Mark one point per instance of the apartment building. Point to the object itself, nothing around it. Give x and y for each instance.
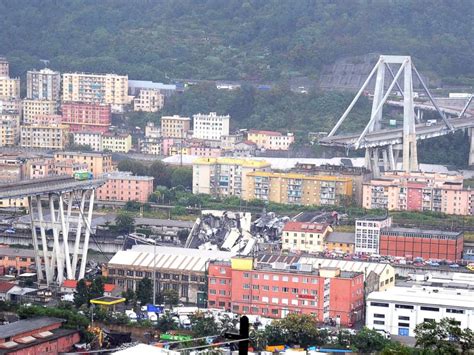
(53, 136)
(110, 89)
(367, 233)
(33, 108)
(400, 309)
(271, 140)
(9, 130)
(40, 168)
(87, 116)
(224, 176)
(210, 126)
(149, 100)
(299, 189)
(150, 146)
(44, 84)
(339, 242)
(305, 237)
(9, 87)
(228, 142)
(10, 105)
(152, 131)
(69, 167)
(414, 243)
(123, 186)
(179, 269)
(116, 142)
(277, 289)
(359, 175)
(4, 67)
(401, 191)
(88, 138)
(44, 119)
(12, 168)
(97, 163)
(175, 126)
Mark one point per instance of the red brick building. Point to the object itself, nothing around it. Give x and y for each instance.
(42, 335)
(86, 117)
(427, 244)
(276, 289)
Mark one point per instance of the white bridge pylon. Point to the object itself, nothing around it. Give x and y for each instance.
(68, 211)
(388, 155)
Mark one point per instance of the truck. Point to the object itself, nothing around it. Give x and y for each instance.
(83, 175)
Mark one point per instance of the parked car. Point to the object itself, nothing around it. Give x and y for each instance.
(454, 266)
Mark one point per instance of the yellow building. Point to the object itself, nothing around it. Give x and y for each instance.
(98, 163)
(305, 237)
(116, 142)
(14, 202)
(224, 176)
(339, 242)
(34, 108)
(177, 149)
(149, 100)
(51, 136)
(9, 87)
(300, 189)
(271, 140)
(175, 126)
(9, 130)
(96, 88)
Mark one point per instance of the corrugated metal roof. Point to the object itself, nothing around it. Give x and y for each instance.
(168, 258)
(346, 265)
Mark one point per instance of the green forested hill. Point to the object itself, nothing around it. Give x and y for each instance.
(264, 40)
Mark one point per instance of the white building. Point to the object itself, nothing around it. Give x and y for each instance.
(92, 139)
(44, 84)
(367, 234)
(211, 126)
(399, 309)
(148, 100)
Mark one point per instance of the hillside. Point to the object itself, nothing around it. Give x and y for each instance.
(255, 40)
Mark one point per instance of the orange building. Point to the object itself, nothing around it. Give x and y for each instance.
(97, 163)
(16, 260)
(123, 186)
(271, 287)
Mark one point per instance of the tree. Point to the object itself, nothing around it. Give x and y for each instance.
(165, 323)
(203, 326)
(182, 176)
(161, 173)
(145, 291)
(170, 297)
(368, 341)
(124, 222)
(96, 288)
(295, 329)
(81, 296)
(134, 166)
(130, 296)
(444, 337)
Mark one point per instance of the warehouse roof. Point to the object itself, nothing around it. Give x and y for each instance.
(168, 258)
(340, 237)
(347, 265)
(436, 296)
(27, 325)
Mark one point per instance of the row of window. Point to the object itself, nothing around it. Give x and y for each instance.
(304, 280)
(422, 308)
(165, 276)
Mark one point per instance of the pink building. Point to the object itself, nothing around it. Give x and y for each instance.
(46, 119)
(41, 168)
(123, 186)
(167, 144)
(399, 191)
(86, 117)
(204, 151)
(69, 167)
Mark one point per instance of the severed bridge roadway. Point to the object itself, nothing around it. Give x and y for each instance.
(395, 135)
(56, 184)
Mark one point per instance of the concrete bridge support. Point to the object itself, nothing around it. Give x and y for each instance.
(471, 146)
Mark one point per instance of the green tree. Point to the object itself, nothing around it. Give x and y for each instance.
(170, 297)
(161, 173)
(295, 329)
(96, 288)
(81, 296)
(133, 166)
(367, 341)
(145, 291)
(202, 325)
(182, 176)
(444, 337)
(166, 323)
(130, 296)
(124, 222)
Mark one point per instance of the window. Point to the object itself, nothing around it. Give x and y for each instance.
(212, 292)
(379, 322)
(266, 277)
(223, 282)
(276, 278)
(246, 275)
(255, 287)
(428, 320)
(403, 318)
(403, 306)
(295, 279)
(294, 290)
(378, 304)
(284, 300)
(285, 289)
(274, 300)
(246, 297)
(294, 302)
(266, 288)
(378, 315)
(275, 288)
(246, 286)
(255, 298)
(452, 310)
(222, 292)
(245, 308)
(284, 278)
(403, 324)
(430, 309)
(213, 281)
(265, 299)
(255, 276)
